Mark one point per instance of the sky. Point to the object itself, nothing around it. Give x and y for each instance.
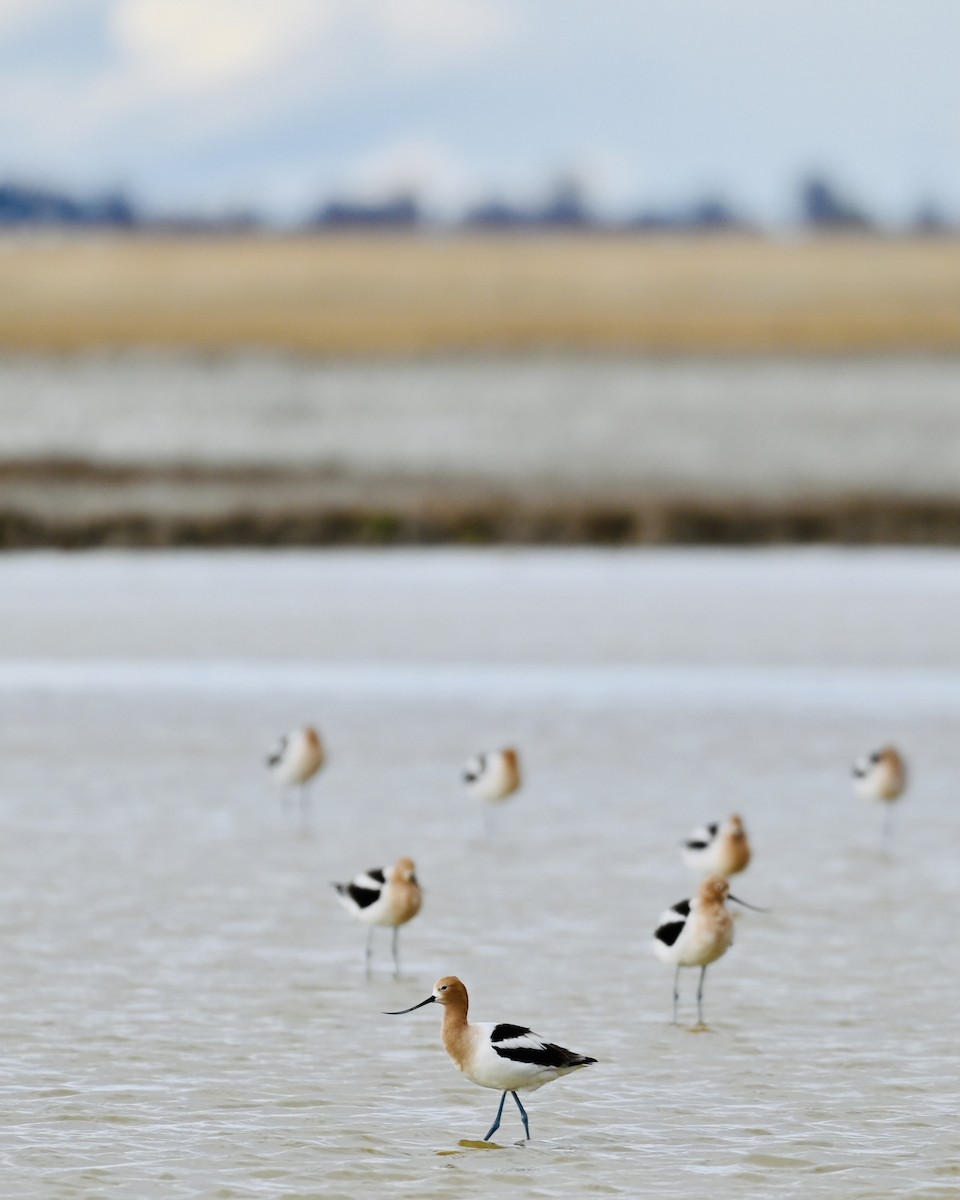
(278, 105)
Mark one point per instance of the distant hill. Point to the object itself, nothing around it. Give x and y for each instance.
(821, 206)
(20, 205)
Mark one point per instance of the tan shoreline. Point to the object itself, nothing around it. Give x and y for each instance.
(391, 294)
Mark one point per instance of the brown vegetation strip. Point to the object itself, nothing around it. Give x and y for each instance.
(414, 294)
(845, 521)
(79, 504)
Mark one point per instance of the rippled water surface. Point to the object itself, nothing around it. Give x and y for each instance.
(184, 1009)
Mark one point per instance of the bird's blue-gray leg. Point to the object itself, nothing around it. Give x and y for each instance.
(304, 806)
(676, 993)
(703, 973)
(396, 951)
(887, 825)
(369, 952)
(496, 1125)
(523, 1115)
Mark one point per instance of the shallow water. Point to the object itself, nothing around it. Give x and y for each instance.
(184, 1011)
(766, 427)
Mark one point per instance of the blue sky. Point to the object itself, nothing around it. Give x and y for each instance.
(280, 103)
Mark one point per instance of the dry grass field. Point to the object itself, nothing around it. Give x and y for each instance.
(333, 295)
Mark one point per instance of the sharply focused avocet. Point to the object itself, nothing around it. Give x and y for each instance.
(295, 759)
(881, 776)
(695, 933)
(493, 776)
(718, 849)
(388, 896)
(507, 1058)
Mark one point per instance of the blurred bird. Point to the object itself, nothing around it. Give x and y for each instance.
(695, 933)
(718, 849)
(388, 896)
(492, 777)
(294, 761)
(507, 1058)
(882, 776)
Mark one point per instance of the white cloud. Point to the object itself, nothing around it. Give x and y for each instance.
(184, 44)
(173, 77)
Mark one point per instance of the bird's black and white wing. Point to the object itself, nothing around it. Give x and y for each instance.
(474, 768)
(276, 754)
(521, 1045)
(365, 889)
(863, 766)
(702, 837)
(671, 923)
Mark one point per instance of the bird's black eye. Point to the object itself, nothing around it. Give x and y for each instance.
(444, 988)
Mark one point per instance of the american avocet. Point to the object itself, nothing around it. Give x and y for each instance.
(695, 933)
(493, 776)
(882, 776)
(507, 1058)
(718, 849)
(388, 896)
(295, 759)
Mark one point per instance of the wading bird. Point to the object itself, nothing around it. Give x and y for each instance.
(492, 777)
(388, 896)
(718, 849)
(881, 776)
(695, 933)
(507, 1058)
(295, 759)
